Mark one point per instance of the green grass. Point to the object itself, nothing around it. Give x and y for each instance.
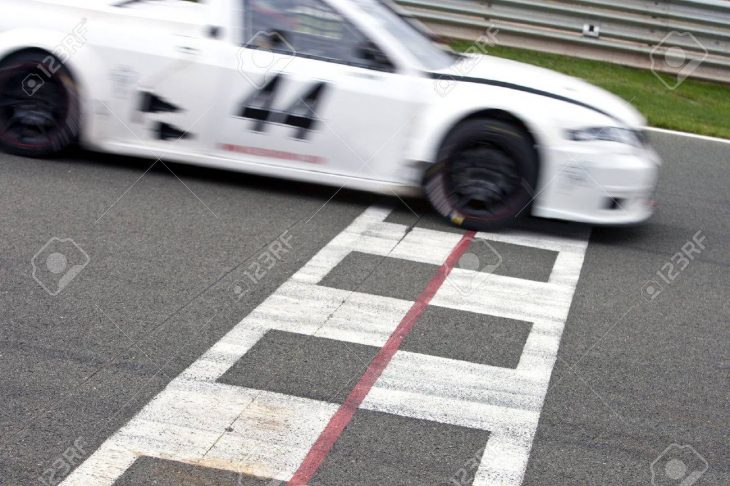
(695, 106)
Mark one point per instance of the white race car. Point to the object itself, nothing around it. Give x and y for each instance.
(342, 92)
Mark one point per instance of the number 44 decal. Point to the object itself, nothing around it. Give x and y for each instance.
(301, 114)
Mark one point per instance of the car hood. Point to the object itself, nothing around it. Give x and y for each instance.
(525, 77)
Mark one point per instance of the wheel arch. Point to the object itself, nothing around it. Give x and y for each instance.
(36, 50)
(19, 41)
(496, 114)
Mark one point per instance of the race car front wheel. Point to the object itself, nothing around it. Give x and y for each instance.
(484, 176)
(39, 106)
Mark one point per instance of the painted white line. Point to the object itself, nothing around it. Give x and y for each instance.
(199, 421)
(505, 458)
(563, 244)
(426, 246)
(688, 135)
(330, 313)
(503, 296)
(366, 234)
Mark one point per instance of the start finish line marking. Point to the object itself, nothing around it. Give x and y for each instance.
(199, 421)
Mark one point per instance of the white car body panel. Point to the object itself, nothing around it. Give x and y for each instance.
(377, 130)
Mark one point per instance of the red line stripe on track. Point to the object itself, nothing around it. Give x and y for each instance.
(326, 440)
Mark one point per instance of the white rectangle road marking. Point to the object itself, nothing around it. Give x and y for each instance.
(426, 246)
(191, 419)
(501, 296)
(330, 313)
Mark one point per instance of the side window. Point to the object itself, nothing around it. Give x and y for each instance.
(309, 28)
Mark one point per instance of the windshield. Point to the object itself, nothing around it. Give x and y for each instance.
(419, 45)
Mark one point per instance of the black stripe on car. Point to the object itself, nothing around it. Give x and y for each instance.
(517, 87)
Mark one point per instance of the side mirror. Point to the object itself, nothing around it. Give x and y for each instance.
(370, 53)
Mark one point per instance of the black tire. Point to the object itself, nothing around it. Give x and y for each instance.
(39, 105)
(484, 176)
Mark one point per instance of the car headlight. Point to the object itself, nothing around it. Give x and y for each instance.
(606, 134)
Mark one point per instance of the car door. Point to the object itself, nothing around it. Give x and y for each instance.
(310, 91)
(163, 77)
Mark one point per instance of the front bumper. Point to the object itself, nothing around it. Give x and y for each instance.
(597, 183)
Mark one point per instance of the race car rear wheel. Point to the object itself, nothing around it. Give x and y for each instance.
(484, 176)
(39, 105)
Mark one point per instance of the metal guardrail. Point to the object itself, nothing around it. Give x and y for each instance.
(685, 38)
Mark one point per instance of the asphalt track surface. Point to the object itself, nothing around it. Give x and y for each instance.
(639, 375)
